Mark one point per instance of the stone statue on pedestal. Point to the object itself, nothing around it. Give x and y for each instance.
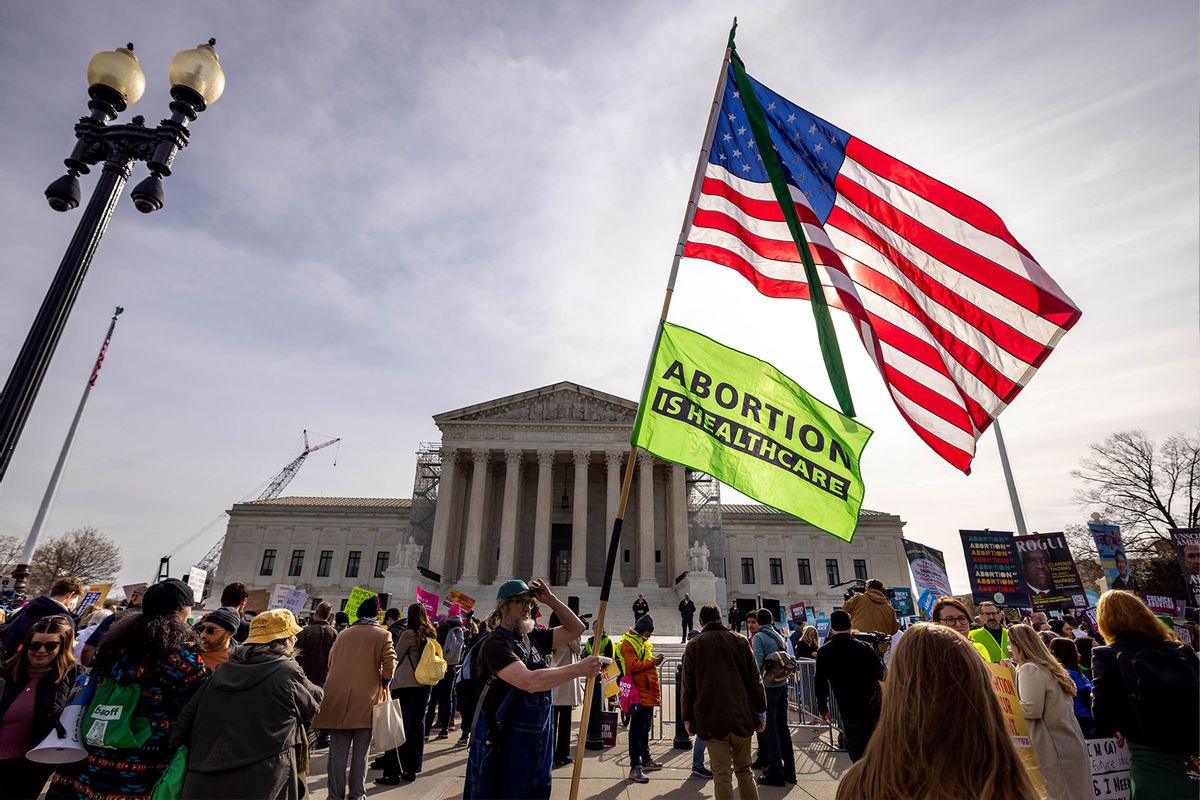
(410, 554)
(698, 556)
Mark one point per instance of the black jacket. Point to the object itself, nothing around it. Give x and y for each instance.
(687, 608)
(854, 671)
(1112, 706)
(47, 705)
(312, 650)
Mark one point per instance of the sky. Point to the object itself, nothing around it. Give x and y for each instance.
(399, 209)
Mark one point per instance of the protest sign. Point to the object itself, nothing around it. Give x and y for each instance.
(822, 624)
(295, 601)
(928, 566)
(101, 589)
(745, 423)
(133, 593)
(1005, 689)
(1187, 549)
(429, 600)
(258, 600)
(1111, 550)
(902, 601)
(1185, 635)
(280, 594)
(1164, 604)
(90, 600)
(1110, 769)
(465, 601)
(926, 601)
(357, 595)
(993, 568)
(799, 612)
(1049, 570)
(196, 579)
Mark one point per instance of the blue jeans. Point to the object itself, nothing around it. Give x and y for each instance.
(698, 754)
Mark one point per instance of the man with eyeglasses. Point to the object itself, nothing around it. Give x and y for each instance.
(993, 636)
(216, 636)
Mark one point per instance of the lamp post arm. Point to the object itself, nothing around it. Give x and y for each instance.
(25, 380)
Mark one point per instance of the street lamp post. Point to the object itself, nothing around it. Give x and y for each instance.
(115, 82)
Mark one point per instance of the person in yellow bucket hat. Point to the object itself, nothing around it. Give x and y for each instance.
(262, 687)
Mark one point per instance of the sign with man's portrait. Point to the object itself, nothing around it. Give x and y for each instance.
(1187, 548)
(1049, 571)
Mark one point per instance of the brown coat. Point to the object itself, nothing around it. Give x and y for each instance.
(360, 665)
(871, 611)
(722, 691)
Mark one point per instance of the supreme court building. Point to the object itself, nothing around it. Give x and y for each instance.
(528, 486)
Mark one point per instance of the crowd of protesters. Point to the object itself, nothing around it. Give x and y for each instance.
(234, 704)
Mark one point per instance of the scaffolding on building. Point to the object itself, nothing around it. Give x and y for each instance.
(704, 518)
(427, 478)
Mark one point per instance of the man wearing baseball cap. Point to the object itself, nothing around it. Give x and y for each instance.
(511, 747)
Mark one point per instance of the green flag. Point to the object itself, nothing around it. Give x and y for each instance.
(750, 426)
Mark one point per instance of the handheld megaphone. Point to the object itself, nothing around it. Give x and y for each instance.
(64, 743)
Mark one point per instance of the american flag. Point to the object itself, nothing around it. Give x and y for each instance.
(955, 313)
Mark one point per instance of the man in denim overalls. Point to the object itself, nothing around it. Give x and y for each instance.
(511, 747)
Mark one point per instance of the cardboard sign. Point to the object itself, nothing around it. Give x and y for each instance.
(608, 679)
(279, 594)
(101, 589)
(1005, 687)
(465, 601)
(1110, 769)
(196, 579)
(134, 591)
(258, 600)
(799, 612)
(357, 595)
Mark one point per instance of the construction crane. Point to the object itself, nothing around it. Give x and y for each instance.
(273, 490)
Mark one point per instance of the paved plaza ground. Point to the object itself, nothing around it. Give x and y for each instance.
(818, 769)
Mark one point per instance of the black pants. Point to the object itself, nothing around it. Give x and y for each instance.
(466, 698)
(641, 720)
(441, 702)
(687, 627)
(562, 733)
(858, 733)
(24, 779)
(781, 761)
(408, 757)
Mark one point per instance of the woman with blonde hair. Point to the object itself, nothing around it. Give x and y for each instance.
(807, 643)
(1157, 715)
(941, 735)
(1047, 699)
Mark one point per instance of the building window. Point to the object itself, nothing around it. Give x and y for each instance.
(658, 556)
(268, 562)
(805, 571)
(352, 563)
(860, 568)
(381, 562)
(626, 556)
(832, 573)
(296, 564)
(324, 563)
(777, 570)
(747, 571)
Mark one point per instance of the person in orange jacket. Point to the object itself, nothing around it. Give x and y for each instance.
(642, 667)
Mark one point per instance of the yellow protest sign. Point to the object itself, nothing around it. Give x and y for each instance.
(608, 678)
(1005, 689)
(357, 595)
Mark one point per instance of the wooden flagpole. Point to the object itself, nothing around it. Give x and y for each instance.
(614, 540)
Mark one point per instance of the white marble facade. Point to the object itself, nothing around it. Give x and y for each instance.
(529, 486)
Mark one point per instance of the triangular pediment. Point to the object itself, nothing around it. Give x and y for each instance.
(561, 402)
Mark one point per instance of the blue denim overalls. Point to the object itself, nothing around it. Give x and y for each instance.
(516, 762)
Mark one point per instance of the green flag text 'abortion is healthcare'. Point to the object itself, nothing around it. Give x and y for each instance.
(750, 426)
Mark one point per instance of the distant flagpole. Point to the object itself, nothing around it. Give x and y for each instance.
(614, 541)
(22, 571)
(1018, 514)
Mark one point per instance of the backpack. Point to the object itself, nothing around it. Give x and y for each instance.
(1163, 682)
(466, 672)
(453, 649)
(110, 719)
(432, 667)
(778, 666)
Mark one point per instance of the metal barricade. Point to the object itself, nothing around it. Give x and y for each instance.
(806, 706)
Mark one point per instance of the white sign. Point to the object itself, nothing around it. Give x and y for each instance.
(196, 578)
(280, 594)
(1110, 769)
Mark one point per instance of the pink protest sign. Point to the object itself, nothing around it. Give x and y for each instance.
(429, 600)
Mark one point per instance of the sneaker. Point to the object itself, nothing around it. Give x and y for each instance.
(701, 772)
(388, 780)
(763, 780)
(651, 766)
(463, 741)
(638, 776)
(445, 734)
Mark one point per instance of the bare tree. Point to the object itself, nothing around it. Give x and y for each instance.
(1143, 489)
(10, 551)
(84, 552)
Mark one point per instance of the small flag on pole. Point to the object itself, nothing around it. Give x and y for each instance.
(955, 313)
(747, 424)
(104, 347)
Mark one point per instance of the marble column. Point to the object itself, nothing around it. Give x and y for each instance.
(677, 508)
(579, 517)
(473, 554)
(507, 568)
(541, 522)
(612, 499)
(646, 577)
(439, 552)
